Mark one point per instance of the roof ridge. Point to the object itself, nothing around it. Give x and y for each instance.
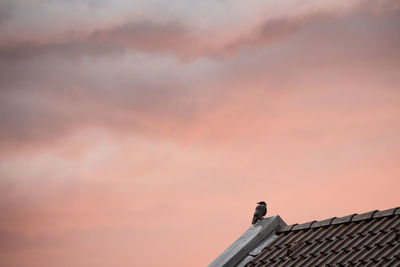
(345, 219)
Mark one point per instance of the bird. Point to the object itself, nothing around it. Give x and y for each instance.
(260, 212)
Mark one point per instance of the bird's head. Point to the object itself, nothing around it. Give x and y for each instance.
(262, 203)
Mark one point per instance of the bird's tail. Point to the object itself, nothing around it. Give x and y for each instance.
(255, 220)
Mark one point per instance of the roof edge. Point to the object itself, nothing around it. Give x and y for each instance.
(248, 241)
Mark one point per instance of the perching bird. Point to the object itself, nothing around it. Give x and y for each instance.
(260, 212)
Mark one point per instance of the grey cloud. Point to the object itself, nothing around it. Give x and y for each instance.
(44, 98)
(154, 38)
(14, 242)
(149, 37)
(6, 9)
(172, 37)
(22, 51)
(146, 36)
(177, 38)
(48, 97)
(275, 30)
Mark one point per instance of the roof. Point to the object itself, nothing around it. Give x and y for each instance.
(369, 239)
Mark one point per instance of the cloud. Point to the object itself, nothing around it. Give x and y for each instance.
(144, 36)
(47, 94)
(175, 36)
(171, 37)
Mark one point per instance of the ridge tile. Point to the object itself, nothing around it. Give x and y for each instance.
(287, 228)
(385, 213)
(344, 219)
(364, 216)
(326, 222)
(303, 226)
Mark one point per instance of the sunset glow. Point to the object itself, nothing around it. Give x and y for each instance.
(143, 133)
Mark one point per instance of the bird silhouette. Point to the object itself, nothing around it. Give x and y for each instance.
(260, 212)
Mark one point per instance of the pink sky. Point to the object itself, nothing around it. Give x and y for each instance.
(142, 133)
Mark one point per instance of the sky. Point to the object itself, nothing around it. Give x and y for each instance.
(142, 133)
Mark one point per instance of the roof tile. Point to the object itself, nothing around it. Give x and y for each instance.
(391, 262)
(315, 250)
(380, 225)
(393, 252)
(298, 261)
(308, 260)
(280, 239)
(358, 242)
(370, 264)
(312, 234)
(373, 241)
(388, 238)
(335, 258)
(351, 257)
(285, 240)
(392, 224)
(359, 264)
(363, 255)
(397, 211)
(357, 228)
(321, 259)
(378, 253)
(338, 245)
